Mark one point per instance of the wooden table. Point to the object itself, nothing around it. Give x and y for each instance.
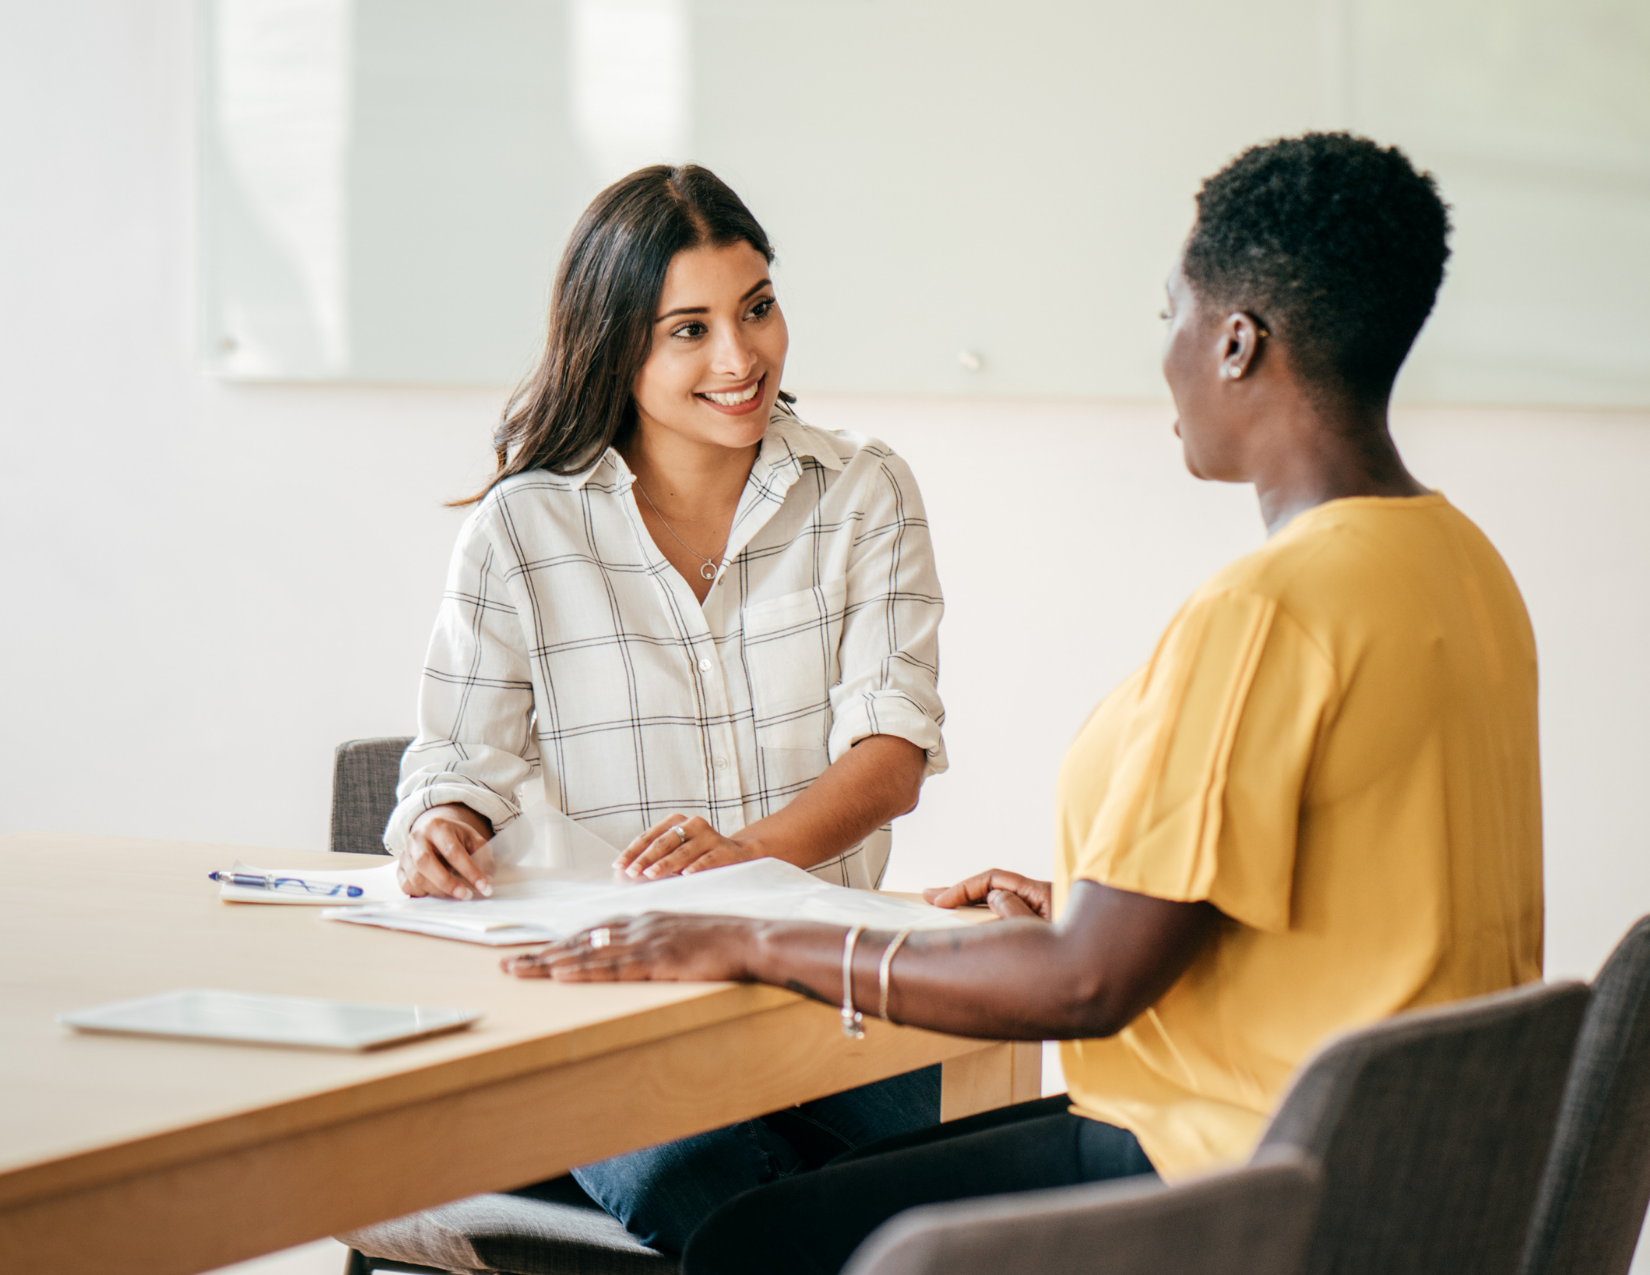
(159, 1157)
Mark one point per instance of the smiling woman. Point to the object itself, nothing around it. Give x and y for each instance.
(696, 624)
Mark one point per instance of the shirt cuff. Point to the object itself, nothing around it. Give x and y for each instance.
(888, 713)
(479, 798)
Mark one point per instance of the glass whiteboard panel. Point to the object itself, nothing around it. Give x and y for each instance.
(966, 197)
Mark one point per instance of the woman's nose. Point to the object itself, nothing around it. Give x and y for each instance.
(732, 355)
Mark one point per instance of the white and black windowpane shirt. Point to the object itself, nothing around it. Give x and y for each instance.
(568, 651)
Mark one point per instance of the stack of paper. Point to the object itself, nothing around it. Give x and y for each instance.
(541, 910)
(554, 879)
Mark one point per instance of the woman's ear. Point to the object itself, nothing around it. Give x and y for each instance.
(1240, 338)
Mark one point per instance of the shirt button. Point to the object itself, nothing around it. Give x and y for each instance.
(704, 666)
(721, 763)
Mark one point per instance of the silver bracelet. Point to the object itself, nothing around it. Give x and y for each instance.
(853, 1022)
(887, 968)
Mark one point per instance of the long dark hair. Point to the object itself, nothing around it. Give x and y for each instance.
(578, 401)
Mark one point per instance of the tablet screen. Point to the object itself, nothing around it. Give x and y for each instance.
(254, 1018)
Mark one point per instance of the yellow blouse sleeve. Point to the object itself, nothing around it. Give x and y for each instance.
(1204, 800)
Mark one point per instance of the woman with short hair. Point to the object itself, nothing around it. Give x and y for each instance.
(684, 617)
(1317, 804)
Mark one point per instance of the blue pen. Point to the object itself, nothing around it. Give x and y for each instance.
(257, 881)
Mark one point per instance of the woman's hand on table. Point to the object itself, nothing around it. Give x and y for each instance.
(677, 845)
(1005, 893)
(655, 945)
(1112, 955)
(440, 858)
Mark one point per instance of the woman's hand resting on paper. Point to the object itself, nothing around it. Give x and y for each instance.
(655, 945)
(662, 945)
(1111, 955)
(662, 851)
(877, 779)
(440, 858)
(1008, 894)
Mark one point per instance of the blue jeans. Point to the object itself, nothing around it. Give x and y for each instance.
(663, 1193)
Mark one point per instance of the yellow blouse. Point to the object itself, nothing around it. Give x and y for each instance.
(1335, 744)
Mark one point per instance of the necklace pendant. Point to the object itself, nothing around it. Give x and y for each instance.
(707, 572)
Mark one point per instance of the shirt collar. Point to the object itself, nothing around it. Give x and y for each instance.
(787, 441)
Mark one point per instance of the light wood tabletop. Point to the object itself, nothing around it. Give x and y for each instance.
(163, 1157)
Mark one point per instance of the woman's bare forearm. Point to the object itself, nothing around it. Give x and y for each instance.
(1113, 955)
(876, 780)
(966, 981)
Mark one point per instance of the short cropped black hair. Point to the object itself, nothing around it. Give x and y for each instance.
(1335, 243)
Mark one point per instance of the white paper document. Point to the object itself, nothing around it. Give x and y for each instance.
(553, 878)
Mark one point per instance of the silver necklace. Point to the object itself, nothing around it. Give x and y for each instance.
(708, 570)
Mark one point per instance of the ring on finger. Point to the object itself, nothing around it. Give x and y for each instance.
(599, 938)
(681, 831)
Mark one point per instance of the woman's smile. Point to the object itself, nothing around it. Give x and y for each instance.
(741, 400)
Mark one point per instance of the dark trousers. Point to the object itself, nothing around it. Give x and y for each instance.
(811, 1223)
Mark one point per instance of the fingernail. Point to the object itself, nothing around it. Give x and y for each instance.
(617, 863)
(486, 888)
(463, 892)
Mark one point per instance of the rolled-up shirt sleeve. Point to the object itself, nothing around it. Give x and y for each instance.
(475, 740)
(889, 651)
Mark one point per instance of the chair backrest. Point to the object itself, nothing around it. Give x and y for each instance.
(364, 775)
(1249, 1221)
(1593, 1195)
(1433, 1128)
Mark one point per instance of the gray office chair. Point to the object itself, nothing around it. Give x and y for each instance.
(1593, 1196)
(1249, 1221)
(365, 773)
(1433, 1129)
(550, 1229)
(553, 1228)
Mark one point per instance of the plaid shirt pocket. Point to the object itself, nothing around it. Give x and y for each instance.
(790, 647)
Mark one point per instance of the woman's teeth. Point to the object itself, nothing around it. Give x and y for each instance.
(736, 397)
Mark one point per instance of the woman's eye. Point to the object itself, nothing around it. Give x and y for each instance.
(763, 308)
(688, 331)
